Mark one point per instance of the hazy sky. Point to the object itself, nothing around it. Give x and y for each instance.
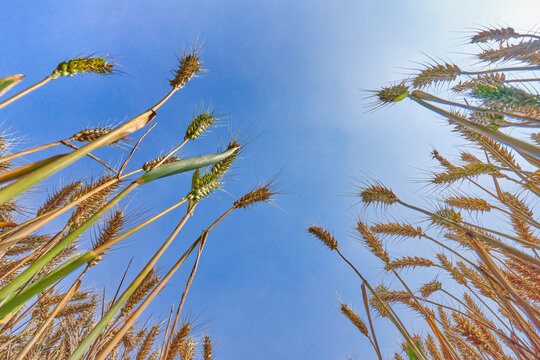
(293, 75)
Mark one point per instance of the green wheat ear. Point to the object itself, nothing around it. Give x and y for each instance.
(8, 82)
(392, 94)
(97, 65)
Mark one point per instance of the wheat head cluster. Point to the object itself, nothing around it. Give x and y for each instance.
(483, 301)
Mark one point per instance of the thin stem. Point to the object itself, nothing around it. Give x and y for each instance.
(393, 316)
(516, 68)
(25, 91)
(366, 306)
(90, 156)
(171, 152)
(179, 309)
(134, 148)
(29, 151)
(102, 355)
(162, 101)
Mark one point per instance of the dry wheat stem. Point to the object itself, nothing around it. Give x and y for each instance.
(374, 342)
(124, 164)
(28, 151)
(171, 153)
(179, 309)
(393, 316)
(132, 317)
(25, 91)
(91, 156)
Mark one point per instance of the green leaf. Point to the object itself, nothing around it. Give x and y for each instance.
(412, 355)
(8, 82)
(184, 165)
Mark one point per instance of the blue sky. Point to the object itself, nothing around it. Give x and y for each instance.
(290, 73)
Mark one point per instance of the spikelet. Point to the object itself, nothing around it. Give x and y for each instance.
(408, 262)
(470, 158)
(83, 213)
(446, 217)
(464, 172)
(497, 152)
(429, 288)
(435, 74)
(199, 124)
(523, 287)
(129, 340)
(60, 258)
(456, 274)
(526, 270)
(95, 202)
(203, 186)
(91, 134)
(113, 225)
(93, 185)
(221, 167)
(526, 51)
(393, 296)
(187, 349)
(435, 155)
(493, 79)
(354, 318)
(469, 331)
(324, 236)
(476, 279)
(392, 94)
(7, 209)
(74, 309)
(28, 243)
(50, 299)
(536, 138)
(262, 193)
(59, 198)
(148, 283)
(378, 194)
(189, 66)
(377, 304)
(397, 357)
(433, 349)
(374, 245)
(468, 203)
(178, 339)
(152, 164)
(492, 120)
(494, 35)
(523, 230)
(516, 205)
(505, 97)
(397, 229)
(207, 348)
(96, 65)
(147, 343)
(476, 313)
